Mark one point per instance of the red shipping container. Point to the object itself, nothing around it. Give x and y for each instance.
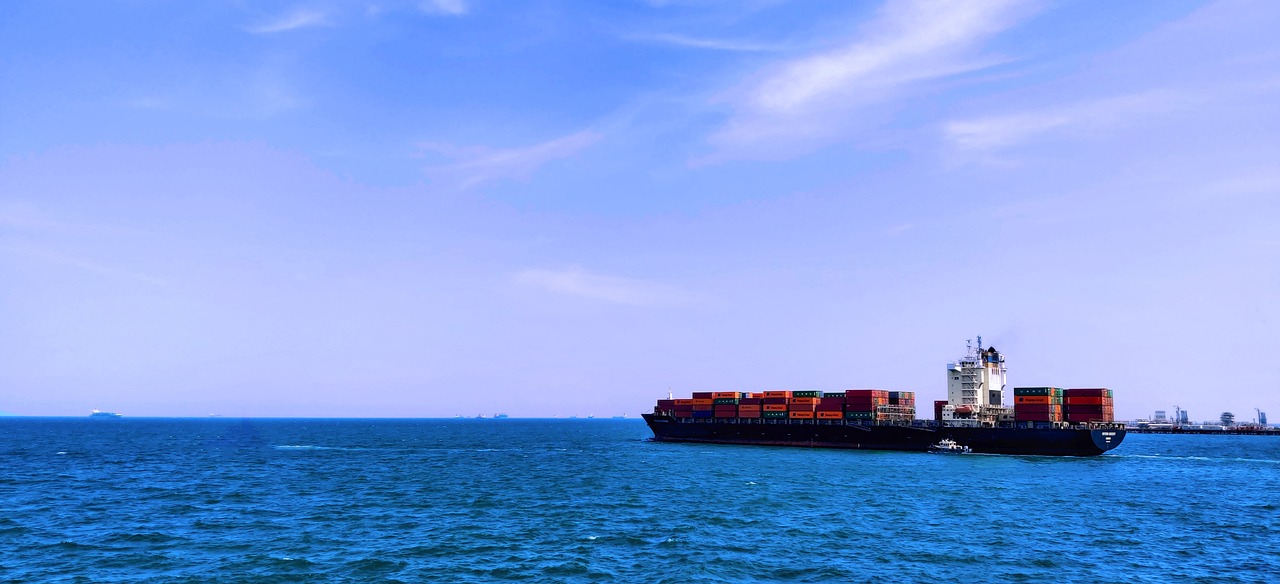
(774, 400)
(800, 407)
(832, 400)
(704, 395)
(1036, 408)
(750, 401)
(726, 408)
(683, 412)
(755, 414)
(786, 393)
(1088, 392)
(726, 414)
(830, 407)
(704, 408)
(666, 404)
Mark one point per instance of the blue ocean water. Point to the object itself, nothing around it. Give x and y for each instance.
(594, 501)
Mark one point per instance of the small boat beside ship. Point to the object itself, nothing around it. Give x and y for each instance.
(103, 414)
(948, 446)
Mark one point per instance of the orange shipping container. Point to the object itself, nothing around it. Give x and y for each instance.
(777, 394)
(774, 407)
(804, 400)
(829, 415)
(749, 408)
(801, 415)
(1032, 399)
(732, 394)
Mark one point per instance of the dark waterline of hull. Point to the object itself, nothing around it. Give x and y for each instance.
(1038, 441)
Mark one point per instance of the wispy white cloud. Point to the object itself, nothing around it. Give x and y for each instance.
(448, 7)
(813, 99)
(579, 283)
(476, 165)
(1002, 131)
(299, 18)
(705, 43)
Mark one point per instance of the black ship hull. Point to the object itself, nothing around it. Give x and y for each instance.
(1080, 441)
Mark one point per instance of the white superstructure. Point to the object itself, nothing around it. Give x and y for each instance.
(975, 388)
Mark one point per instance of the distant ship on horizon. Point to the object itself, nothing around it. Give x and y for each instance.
(102, 414)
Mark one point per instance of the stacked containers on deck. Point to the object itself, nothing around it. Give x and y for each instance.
(726, 403)
(1090, 405)
(803, 404)
(863, 404)
(855, 404)
(1037, 404)
(830, 406)
(901, 406)
(774, 404)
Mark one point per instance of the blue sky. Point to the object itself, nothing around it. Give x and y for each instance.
(566, 208)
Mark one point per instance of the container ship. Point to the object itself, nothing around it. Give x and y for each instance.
(1041, 420)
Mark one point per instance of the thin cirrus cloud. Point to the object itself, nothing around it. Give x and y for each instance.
(298, 19)
(705, 43)
(993, 133)
(808, 101)
(575, 282)
(473, 166)
(446, 7)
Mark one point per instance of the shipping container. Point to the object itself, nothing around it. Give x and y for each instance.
(859, 415)
(750, 401)
(1089, 392)
(1088, 400)
(775, 400)
(804, 400)
(774, 407)
(748, 409)
(937, 409)
(801, 415)
(1033, 399)
(720, 414)
(1028, 417)
(704, 395)
(839, 394)
(1037, 391)
(730, 394)
(706, 414)
(836, 415)
(773, 414)
(806, 393)
(704, 408)
(1037, 408)
(832, 400)
(830, 407)
(666, 404)
(751, 415)
(726, 400)
(777, 394)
